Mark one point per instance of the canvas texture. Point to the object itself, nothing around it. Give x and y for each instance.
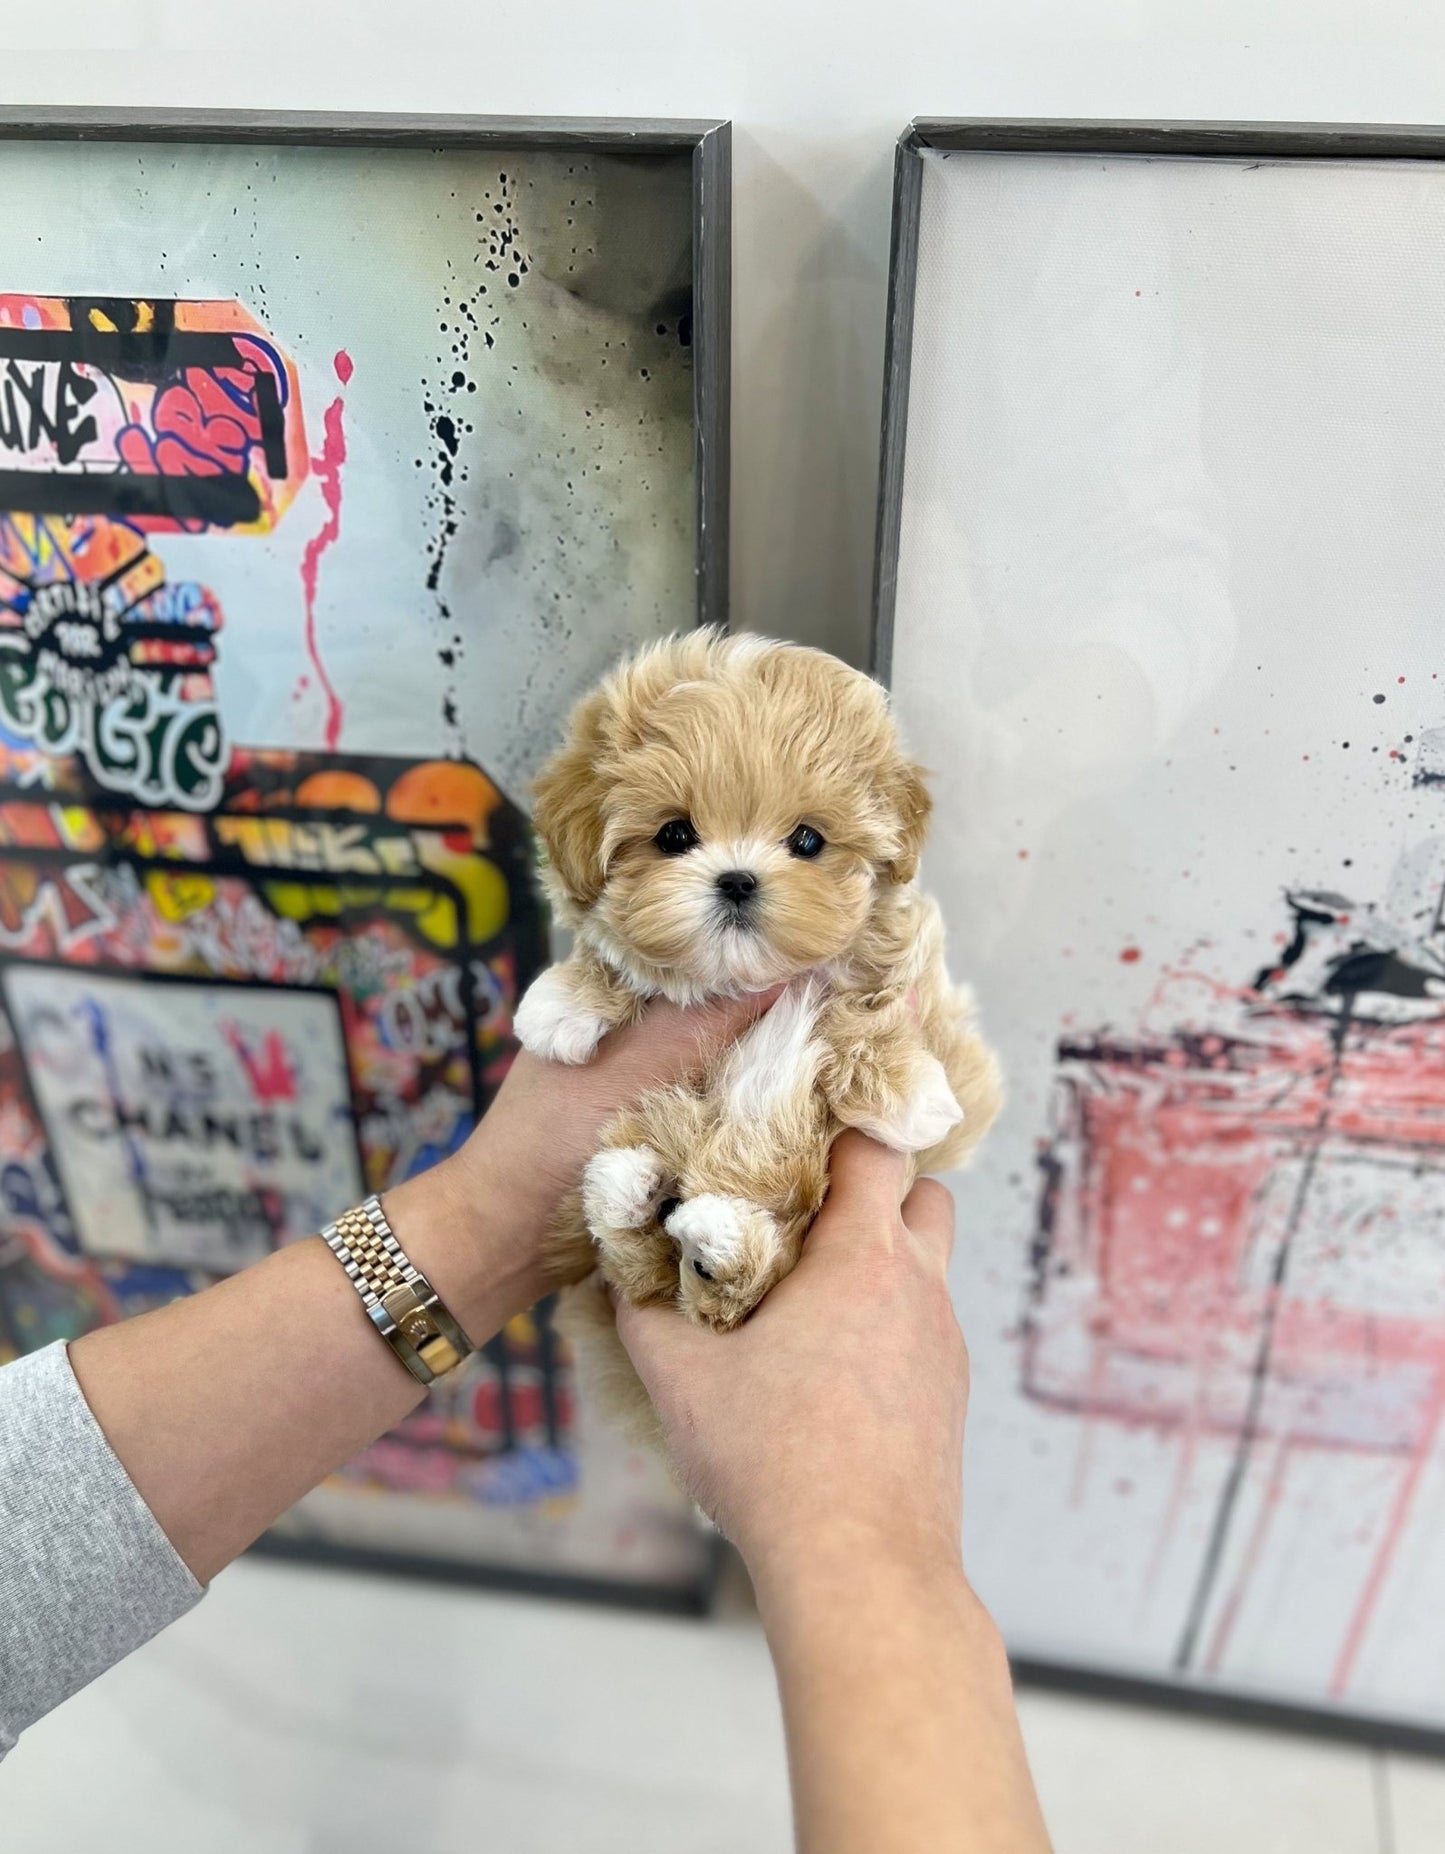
(1168, 634)
(329, 478)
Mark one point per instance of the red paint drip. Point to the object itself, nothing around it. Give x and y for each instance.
(1178, 1491)
(1130, 956)
(345, 367)
(327, 470)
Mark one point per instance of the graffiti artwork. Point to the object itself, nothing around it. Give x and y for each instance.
(288, 556)
(120, 421)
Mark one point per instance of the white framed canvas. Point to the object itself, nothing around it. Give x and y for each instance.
(1161, 598)
(338, 456)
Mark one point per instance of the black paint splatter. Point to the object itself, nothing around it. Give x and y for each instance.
(463, 314)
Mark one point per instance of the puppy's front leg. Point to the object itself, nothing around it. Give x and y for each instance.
(569, 1008)
(912, 1112)
(888, 1085)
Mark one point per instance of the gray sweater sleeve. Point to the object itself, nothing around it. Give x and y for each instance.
(86, 1574)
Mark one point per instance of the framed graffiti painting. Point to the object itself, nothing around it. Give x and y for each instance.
(337, 456)
(1161, 576)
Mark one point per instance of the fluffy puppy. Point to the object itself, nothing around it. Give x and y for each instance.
(727, 814)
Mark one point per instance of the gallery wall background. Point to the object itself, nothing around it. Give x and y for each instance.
(817, 94)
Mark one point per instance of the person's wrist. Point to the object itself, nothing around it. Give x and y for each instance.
(844, 1564)
(471, 1232)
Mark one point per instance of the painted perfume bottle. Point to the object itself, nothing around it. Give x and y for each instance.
(1241, 1231)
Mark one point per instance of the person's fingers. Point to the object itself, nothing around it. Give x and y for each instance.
(657, 1339)
(928, 1210)
(865, 1184)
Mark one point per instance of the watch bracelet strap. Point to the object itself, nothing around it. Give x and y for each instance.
(402, 1304)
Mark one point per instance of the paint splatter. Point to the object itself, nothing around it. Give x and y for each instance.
(468, 320)
(1235, 1214)
(327, 470)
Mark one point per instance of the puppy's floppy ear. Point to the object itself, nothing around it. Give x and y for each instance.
(567, 813)
(912, 805)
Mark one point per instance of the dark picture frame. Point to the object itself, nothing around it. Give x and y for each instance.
(1191, 139)
(706, 143)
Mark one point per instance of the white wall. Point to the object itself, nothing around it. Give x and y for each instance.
(817, 91)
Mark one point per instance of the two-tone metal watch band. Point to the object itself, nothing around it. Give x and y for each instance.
(403, 1305)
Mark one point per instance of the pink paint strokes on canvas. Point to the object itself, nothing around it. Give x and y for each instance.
(1241, 1207)
(327, 470)
(1384, 1557)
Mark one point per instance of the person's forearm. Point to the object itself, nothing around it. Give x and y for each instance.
(226, 1407)
(899, 1711)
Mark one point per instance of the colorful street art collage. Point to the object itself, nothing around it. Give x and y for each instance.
(333, 469)
(238, 987)
(321, 972)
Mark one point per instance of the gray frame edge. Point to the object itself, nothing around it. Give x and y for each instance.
(1025, 135)
(1280, 140)
(897, 363)
(712, 201)
(695, 1598)
(1375, 1731)
(709, 140)
(364, 128)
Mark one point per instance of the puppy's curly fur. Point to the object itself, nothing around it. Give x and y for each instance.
(727, 814)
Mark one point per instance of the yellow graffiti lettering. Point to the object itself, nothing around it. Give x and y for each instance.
(174, 897)
(434, 916)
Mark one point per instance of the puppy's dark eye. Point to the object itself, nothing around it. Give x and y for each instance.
(698, 1269)
(676, 837)
(665, 1209)
(806, 842)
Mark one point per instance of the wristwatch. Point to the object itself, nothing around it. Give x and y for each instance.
(403, 1305)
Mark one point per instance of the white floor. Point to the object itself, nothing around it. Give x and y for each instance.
(300, 1711)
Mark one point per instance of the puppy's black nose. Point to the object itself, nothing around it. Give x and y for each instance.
(737, 884)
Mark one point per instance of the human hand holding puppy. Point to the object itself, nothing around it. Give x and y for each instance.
(826, 1433)
(826, 1437)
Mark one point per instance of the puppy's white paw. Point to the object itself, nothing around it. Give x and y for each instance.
(927, 1115)
(709, 1228)
(621, 1187)
(721, 1234)
(551, 1024)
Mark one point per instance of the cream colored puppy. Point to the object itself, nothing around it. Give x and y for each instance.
(728, 814)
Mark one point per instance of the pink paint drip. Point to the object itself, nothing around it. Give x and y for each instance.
(1385, 1552)
(1178, 1493)
(327, 470)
